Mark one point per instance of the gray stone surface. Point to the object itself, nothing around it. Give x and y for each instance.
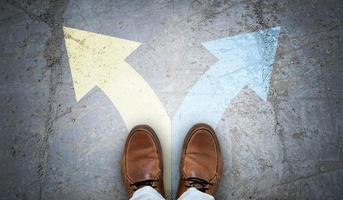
(85, 152)
(24, 102)
(53, 147)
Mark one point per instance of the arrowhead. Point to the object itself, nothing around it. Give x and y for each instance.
(94, 58)
(245, 59)
(250, 56)
(99, 60)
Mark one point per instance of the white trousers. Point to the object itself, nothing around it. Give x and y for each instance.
(149, 193)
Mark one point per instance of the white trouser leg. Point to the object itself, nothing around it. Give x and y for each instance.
(149, 193)
(146, 193)
(194, 194)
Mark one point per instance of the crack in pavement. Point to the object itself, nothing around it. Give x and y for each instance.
(53, 17)
(53, 55)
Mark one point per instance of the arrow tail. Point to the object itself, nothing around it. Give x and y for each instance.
(244, 59)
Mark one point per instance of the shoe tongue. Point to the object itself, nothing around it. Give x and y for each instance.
(200, 158)
(193, 168)
(140, 175)
(142, 161)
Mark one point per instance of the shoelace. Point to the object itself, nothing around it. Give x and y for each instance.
(140, 184)
(194, 182)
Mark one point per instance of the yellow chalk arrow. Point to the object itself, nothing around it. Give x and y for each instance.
(99, 60)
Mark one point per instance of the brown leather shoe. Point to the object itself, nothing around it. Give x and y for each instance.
(201, 163)
(142, 163)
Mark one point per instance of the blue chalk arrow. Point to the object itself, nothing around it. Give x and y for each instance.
(243, 60)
